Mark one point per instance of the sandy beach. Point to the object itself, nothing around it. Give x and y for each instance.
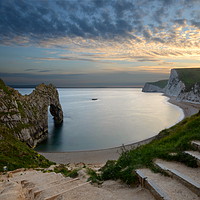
(189, 109)
(99, 157)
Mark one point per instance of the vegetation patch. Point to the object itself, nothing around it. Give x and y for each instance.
(5, 88)
(21, 109)
(94, 176)
(169, 145)
(161, 83)
(189, 77)
(15, 154)
(65, 171)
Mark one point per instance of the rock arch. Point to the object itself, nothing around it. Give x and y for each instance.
(27, 116)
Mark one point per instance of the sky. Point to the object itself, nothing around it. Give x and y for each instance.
(97, 43)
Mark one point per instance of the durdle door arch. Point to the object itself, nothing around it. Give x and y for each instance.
(27, 116)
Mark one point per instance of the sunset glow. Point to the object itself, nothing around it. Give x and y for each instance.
(96, 43)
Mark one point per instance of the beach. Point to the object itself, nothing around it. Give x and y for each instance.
(100, 157)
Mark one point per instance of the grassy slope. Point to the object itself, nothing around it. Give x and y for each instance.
(161, 83)
(173, 140)
(189, 76)
(16, 154)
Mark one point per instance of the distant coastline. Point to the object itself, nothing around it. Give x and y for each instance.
(33, 86)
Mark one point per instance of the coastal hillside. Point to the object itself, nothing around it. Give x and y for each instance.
(27, 116)
(183, 84)
(23, 123)
(158, 86)
(16, 154)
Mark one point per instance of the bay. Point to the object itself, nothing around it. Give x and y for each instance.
(118, 116)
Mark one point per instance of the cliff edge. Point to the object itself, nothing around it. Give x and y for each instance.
(183, 84)
(158, 86)
(27, 116)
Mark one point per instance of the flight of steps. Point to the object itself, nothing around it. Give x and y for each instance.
(36, 185)
(182, 182)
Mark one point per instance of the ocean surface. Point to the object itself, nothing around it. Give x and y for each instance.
(119, 116)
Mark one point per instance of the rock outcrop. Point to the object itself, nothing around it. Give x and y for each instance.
(178, 87)
(27, 116)
(183, 84)
(149, 87)
(159, 86)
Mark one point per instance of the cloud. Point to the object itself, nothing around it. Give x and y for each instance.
(28, 70)
(40, 20)
(106, 79)
(195, 23)
(107, 30)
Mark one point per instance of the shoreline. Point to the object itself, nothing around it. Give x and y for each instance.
(188, 108)
(100, 157)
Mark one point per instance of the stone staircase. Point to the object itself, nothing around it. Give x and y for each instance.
(182, 182)
(36, 185)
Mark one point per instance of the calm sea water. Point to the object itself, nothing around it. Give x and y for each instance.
(119, 116)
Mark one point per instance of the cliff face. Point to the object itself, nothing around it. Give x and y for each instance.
(27, 116)
(159, 86)
(175, 85)
(148, 87)
(178, 88)
(184, 84)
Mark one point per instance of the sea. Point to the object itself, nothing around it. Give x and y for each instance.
(117, 116)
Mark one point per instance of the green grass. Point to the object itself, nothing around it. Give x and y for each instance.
(16, 154)
(94, 176)
(173, 140)
(189, 77)
(4, 87)
(161, 83)
(68, 173)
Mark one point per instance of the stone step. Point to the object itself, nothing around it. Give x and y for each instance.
(88, 192)
(25, 175)
(31, 176)
(61, 195)
(52, 185)
(57, 189)
(182, 177)
(195, 154)
(109, 190)
(37, 188)
(44, 179)
(196, 144)
(29, 181)
(11, 191)
(166, 187)
(193, 173)
(156, 191)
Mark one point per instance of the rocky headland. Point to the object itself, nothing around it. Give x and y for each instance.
(158, 86)
(26, 116)
(183, 85)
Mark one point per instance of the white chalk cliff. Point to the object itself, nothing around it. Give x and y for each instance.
(149, 87)
(177, 88)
